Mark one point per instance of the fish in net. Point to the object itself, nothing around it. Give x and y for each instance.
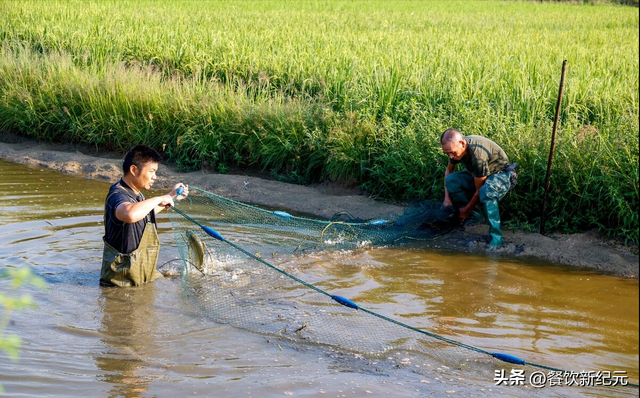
(278, 233)
(251, 281)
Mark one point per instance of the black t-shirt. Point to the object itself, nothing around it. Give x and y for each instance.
(124, 237)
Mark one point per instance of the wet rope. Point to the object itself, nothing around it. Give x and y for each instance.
(348, 303)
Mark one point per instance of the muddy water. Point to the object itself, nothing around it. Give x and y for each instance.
(83, 340)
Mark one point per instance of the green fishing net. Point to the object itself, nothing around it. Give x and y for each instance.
(243, 266)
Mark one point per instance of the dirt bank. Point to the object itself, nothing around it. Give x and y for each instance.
(585, 250)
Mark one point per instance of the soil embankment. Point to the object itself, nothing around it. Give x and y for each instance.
(580, 250)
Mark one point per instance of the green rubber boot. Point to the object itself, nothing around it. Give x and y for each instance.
(477, 216)
(493, 216)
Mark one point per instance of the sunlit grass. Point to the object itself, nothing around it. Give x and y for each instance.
(352, 91)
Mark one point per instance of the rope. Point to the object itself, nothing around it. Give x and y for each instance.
(346, 302)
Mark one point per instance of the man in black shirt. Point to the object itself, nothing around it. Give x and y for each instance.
(131, 242)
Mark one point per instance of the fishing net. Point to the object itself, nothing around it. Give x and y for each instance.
(246, 273)
(279, 234)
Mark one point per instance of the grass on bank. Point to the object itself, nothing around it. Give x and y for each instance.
(350, 91)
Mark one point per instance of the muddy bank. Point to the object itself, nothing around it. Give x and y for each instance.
(585, 250)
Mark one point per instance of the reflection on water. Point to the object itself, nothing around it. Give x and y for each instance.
(547, 314)
(128, 330)
(85, 340)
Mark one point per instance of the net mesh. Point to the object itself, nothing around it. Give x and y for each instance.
(279, 234)
(250, 280)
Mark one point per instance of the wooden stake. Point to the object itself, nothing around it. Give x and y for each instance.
(547, 180)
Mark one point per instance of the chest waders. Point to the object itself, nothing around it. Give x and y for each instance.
(135, 268)
(495, 188)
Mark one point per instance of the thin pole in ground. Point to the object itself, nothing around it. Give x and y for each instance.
(547, 180)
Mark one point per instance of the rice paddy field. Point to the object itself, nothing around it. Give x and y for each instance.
(350, 91)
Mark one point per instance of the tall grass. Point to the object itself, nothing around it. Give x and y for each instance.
(351, 91)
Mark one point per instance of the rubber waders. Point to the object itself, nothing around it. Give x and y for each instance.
(135, 268)
(477, 216)
(493, 216)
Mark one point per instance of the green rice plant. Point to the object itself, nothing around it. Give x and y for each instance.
(349, 91)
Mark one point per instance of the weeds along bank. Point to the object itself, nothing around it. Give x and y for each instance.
(351, 91)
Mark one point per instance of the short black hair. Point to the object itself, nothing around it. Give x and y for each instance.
(140, 155)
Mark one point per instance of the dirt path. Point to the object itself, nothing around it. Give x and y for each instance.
(580, 250)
